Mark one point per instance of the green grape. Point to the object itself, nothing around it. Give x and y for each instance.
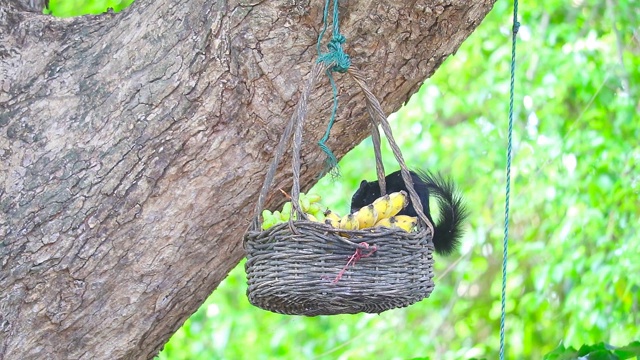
(319, 215)
(266, 225)
(314, 198)
(278, 215)
(268, 220)
(314, 208)
(266, 214)
(304, 202)
(286, 211)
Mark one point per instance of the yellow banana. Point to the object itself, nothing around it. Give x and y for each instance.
(332, 219)
(381, 205)
(367, 217)
(397, 202)
(331, 215)
(349, 222)
(332, 223)
(312, 218)
(404, 222)
(386, 222)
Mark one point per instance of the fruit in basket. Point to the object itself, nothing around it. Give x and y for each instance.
(268, 219)
(404, 222)
(309, 204)
(381, 213)
(366, 217)
(448, 230)
(349, 222)
(332, 218)
(316, 210)
(286, 212)
(313, 198)
(381, 205)
(390, 204)
(305, 204)
(397, 201)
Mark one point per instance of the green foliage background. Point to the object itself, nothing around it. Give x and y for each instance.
(68, 8)
(573, 265)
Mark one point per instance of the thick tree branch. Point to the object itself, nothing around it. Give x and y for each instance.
(133, 146)
(35, 6)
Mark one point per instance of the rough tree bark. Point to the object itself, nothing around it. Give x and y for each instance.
(133, 146)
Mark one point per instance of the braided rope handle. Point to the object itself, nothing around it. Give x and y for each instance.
(296, 118)
(296, 125)
(376, 114)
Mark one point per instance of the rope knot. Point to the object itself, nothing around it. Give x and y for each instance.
(337, 39)
(336, 55)
(336, 60)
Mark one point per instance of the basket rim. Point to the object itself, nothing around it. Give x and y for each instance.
(423, 232)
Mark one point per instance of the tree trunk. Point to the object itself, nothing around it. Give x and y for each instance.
(133, 147)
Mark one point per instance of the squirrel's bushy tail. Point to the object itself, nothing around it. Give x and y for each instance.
(448, 231)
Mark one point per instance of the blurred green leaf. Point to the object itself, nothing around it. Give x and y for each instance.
(69, 8)
(630, 351)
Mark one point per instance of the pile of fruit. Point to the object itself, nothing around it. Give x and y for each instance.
(309, 204)
(382, 212)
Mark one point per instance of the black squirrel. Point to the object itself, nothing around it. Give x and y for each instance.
(447, 232)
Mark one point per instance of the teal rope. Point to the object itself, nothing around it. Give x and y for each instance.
(516, 26)
(341, 63)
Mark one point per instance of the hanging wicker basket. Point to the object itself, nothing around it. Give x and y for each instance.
(308, 268)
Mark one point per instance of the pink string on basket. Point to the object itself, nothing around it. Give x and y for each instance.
(357, 255)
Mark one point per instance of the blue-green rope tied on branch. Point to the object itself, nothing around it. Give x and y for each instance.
(505, 244)
(341, 62)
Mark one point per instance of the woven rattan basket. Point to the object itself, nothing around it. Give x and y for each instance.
(308, 268)
(300, 273)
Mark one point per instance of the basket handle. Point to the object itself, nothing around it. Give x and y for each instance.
(296, 118)
(378, 117)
